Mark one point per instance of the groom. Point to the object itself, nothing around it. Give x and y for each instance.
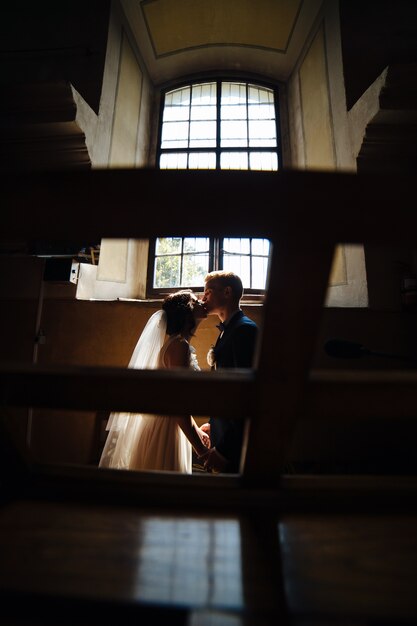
(235, 348)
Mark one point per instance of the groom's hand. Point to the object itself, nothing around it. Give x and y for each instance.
(215, 462)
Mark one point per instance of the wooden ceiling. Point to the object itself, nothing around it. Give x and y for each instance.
(185, 37)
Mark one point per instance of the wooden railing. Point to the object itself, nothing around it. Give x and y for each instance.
(304, 214)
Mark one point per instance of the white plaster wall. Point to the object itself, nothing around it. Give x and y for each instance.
(354, 292)
(363, 111)
(98, 130)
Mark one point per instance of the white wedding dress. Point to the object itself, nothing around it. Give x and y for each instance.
(138, 441)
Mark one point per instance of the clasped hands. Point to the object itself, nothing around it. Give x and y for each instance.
(213, 461)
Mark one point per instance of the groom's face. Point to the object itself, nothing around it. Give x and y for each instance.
(213, 297)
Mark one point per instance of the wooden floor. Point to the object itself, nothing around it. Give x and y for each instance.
(265, 558)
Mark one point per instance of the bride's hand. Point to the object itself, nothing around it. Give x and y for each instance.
(204, 437)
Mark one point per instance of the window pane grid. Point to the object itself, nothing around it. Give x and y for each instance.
(173, 161)
(195, 267)
(229, 125)
(180, 261)
(184, 261)
(167, 272)
(236, 245)
(249, 258)
(203, 134)
(194, 119)
(264, 161)
(202, 161)
(167, 245)
(240, 265)
(234, 161)
(196, 244)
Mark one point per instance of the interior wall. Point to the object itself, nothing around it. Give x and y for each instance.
(319, 138)
(118, 133)
(126, 116)
(119, 137)
(315, 106)
(121, 272)
(80, 333)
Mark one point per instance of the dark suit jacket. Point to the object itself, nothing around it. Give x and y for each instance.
(234, 349)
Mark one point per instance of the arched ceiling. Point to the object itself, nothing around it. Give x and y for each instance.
(184, 37)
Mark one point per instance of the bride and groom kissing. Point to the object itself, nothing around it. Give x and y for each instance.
(139, 441)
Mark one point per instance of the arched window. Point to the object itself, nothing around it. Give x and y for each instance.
(219, 124)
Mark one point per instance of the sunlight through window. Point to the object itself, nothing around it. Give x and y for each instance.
(184, 261)
(227, 125)
(219, 125)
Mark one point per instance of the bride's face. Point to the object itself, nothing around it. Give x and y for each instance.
(199, 310)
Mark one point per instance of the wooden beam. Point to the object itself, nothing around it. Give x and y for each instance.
(225, 493)
(146, 202)
(341, 394)
(167, 392)
(293, 309)
(356, 395)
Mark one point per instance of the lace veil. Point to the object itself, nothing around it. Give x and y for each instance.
(123, 427)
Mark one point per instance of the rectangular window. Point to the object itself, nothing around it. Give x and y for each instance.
(183, 262)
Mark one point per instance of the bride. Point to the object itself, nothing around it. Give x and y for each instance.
(139, 441)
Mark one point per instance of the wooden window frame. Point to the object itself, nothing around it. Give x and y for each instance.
(215, 263)
(218, 149)
(215, 254)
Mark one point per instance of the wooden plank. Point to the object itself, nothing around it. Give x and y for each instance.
(151, 564)
(328, 393)
(356, 395)
(293, 309)
(351, 495)
(351, 566)
(143, 202)
(127, 556)
(225, 493)
(168, 392)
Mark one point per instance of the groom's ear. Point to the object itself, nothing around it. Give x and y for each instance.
(228, 292)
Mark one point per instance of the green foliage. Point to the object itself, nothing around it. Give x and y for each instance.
(168, 265)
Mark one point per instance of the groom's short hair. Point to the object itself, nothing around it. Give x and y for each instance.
(227, 279)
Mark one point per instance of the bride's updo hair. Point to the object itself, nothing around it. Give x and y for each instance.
(179, 309)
